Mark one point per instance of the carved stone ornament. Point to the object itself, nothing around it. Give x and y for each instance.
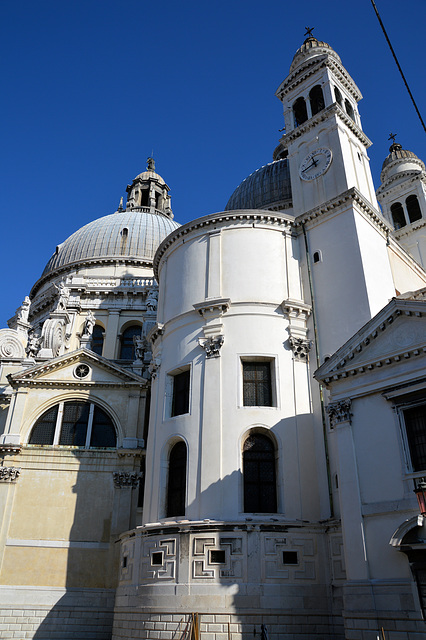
(154, 366)
(300, 347)
(9, 474)
(33, 345)
(63, 296)
(339, 412)
(152, 299)
(212, 345)
(129, 479)
(53, 335)
(10, 344)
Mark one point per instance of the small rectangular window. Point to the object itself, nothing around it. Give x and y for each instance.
(257, 384)
(415, 428)
(180, 397)
(217, 556)
(290, 557)
(157, 558)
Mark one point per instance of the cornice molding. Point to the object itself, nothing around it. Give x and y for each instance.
(249, 216)
(31, 376)
(413, 175)
(351, 195)
(344, 368)
(333, 110)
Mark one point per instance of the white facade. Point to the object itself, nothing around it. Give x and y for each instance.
(275, 500)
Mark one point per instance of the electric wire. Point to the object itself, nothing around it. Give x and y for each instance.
(397, 63)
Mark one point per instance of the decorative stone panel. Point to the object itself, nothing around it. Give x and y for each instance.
(10, 344)
(218, 559)
(159, 559)
(337, 557)
(289, 558)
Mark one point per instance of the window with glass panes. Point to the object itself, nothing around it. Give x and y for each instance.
(259, 478)
(257, 384)
(176, 486)
(180, 398)
(415, 428)
(75, 424)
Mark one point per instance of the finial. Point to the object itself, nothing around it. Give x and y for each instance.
(120, 206)
(395, 146)
(308, 32)
(392, 136)
(150, 164)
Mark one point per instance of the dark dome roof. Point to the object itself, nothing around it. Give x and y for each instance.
(396, 152)
(267, 188)
(104, 238)
(311, 48)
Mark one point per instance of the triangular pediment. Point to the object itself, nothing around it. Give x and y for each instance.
(81, 367)
(397, 333)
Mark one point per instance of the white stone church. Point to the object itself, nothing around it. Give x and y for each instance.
(217, 431)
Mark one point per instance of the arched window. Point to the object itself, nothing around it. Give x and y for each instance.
(338, 96)
(97, 342)
(127, 347)
(176, 485)
(316, 98)
(413, 208)
(349, 110)
(76, 424)
(398, 216)
(260, 492)
(300, 112)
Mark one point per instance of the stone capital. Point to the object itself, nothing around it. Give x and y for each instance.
(339, 412)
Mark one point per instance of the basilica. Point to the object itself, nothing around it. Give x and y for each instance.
(217, 430)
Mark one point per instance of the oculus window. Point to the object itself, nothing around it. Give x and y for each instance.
(75, 424)
(176, 484)
(257, 383)
(259, 478)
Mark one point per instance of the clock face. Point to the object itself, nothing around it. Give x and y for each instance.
(315, 164)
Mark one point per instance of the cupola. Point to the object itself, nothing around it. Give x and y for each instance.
(148, 192)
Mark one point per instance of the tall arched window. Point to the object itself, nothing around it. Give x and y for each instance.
(349, 110)
(338, 96)
(413, 208)
(300, 112)
(398, 216)
(75, 423)
(316, 98)
(127, 347)
(176, 484)
(260, 491)
(97, 342)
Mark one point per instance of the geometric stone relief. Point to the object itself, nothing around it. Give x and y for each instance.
(9, 474)
(337, 557)
(10, 344)
(218, 559)
(289, 558)
(159, 559)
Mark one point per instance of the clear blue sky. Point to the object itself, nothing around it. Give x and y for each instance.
(90, 88)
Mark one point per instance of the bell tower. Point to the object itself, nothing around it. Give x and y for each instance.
(344, 237)
(326, 146)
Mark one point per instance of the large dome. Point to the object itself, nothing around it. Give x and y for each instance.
(129, 234)
(267, 188)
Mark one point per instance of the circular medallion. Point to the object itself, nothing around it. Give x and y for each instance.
(81, 371)
(315, 164)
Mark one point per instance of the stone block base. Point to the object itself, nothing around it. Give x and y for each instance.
(55, 614)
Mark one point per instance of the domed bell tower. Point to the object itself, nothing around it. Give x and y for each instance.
(149, 193)
(403, 199)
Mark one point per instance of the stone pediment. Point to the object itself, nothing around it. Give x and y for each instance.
(81, 367)
(397, 333)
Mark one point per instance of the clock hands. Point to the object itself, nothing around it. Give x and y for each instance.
(313, 164)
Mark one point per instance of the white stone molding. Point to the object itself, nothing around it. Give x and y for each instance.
(398, 536)
(9, 474)
(339, 412)
(212, 309)
(126, 479)
(298, 313)
(156, 332)
(10, 449)
(212, 345)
